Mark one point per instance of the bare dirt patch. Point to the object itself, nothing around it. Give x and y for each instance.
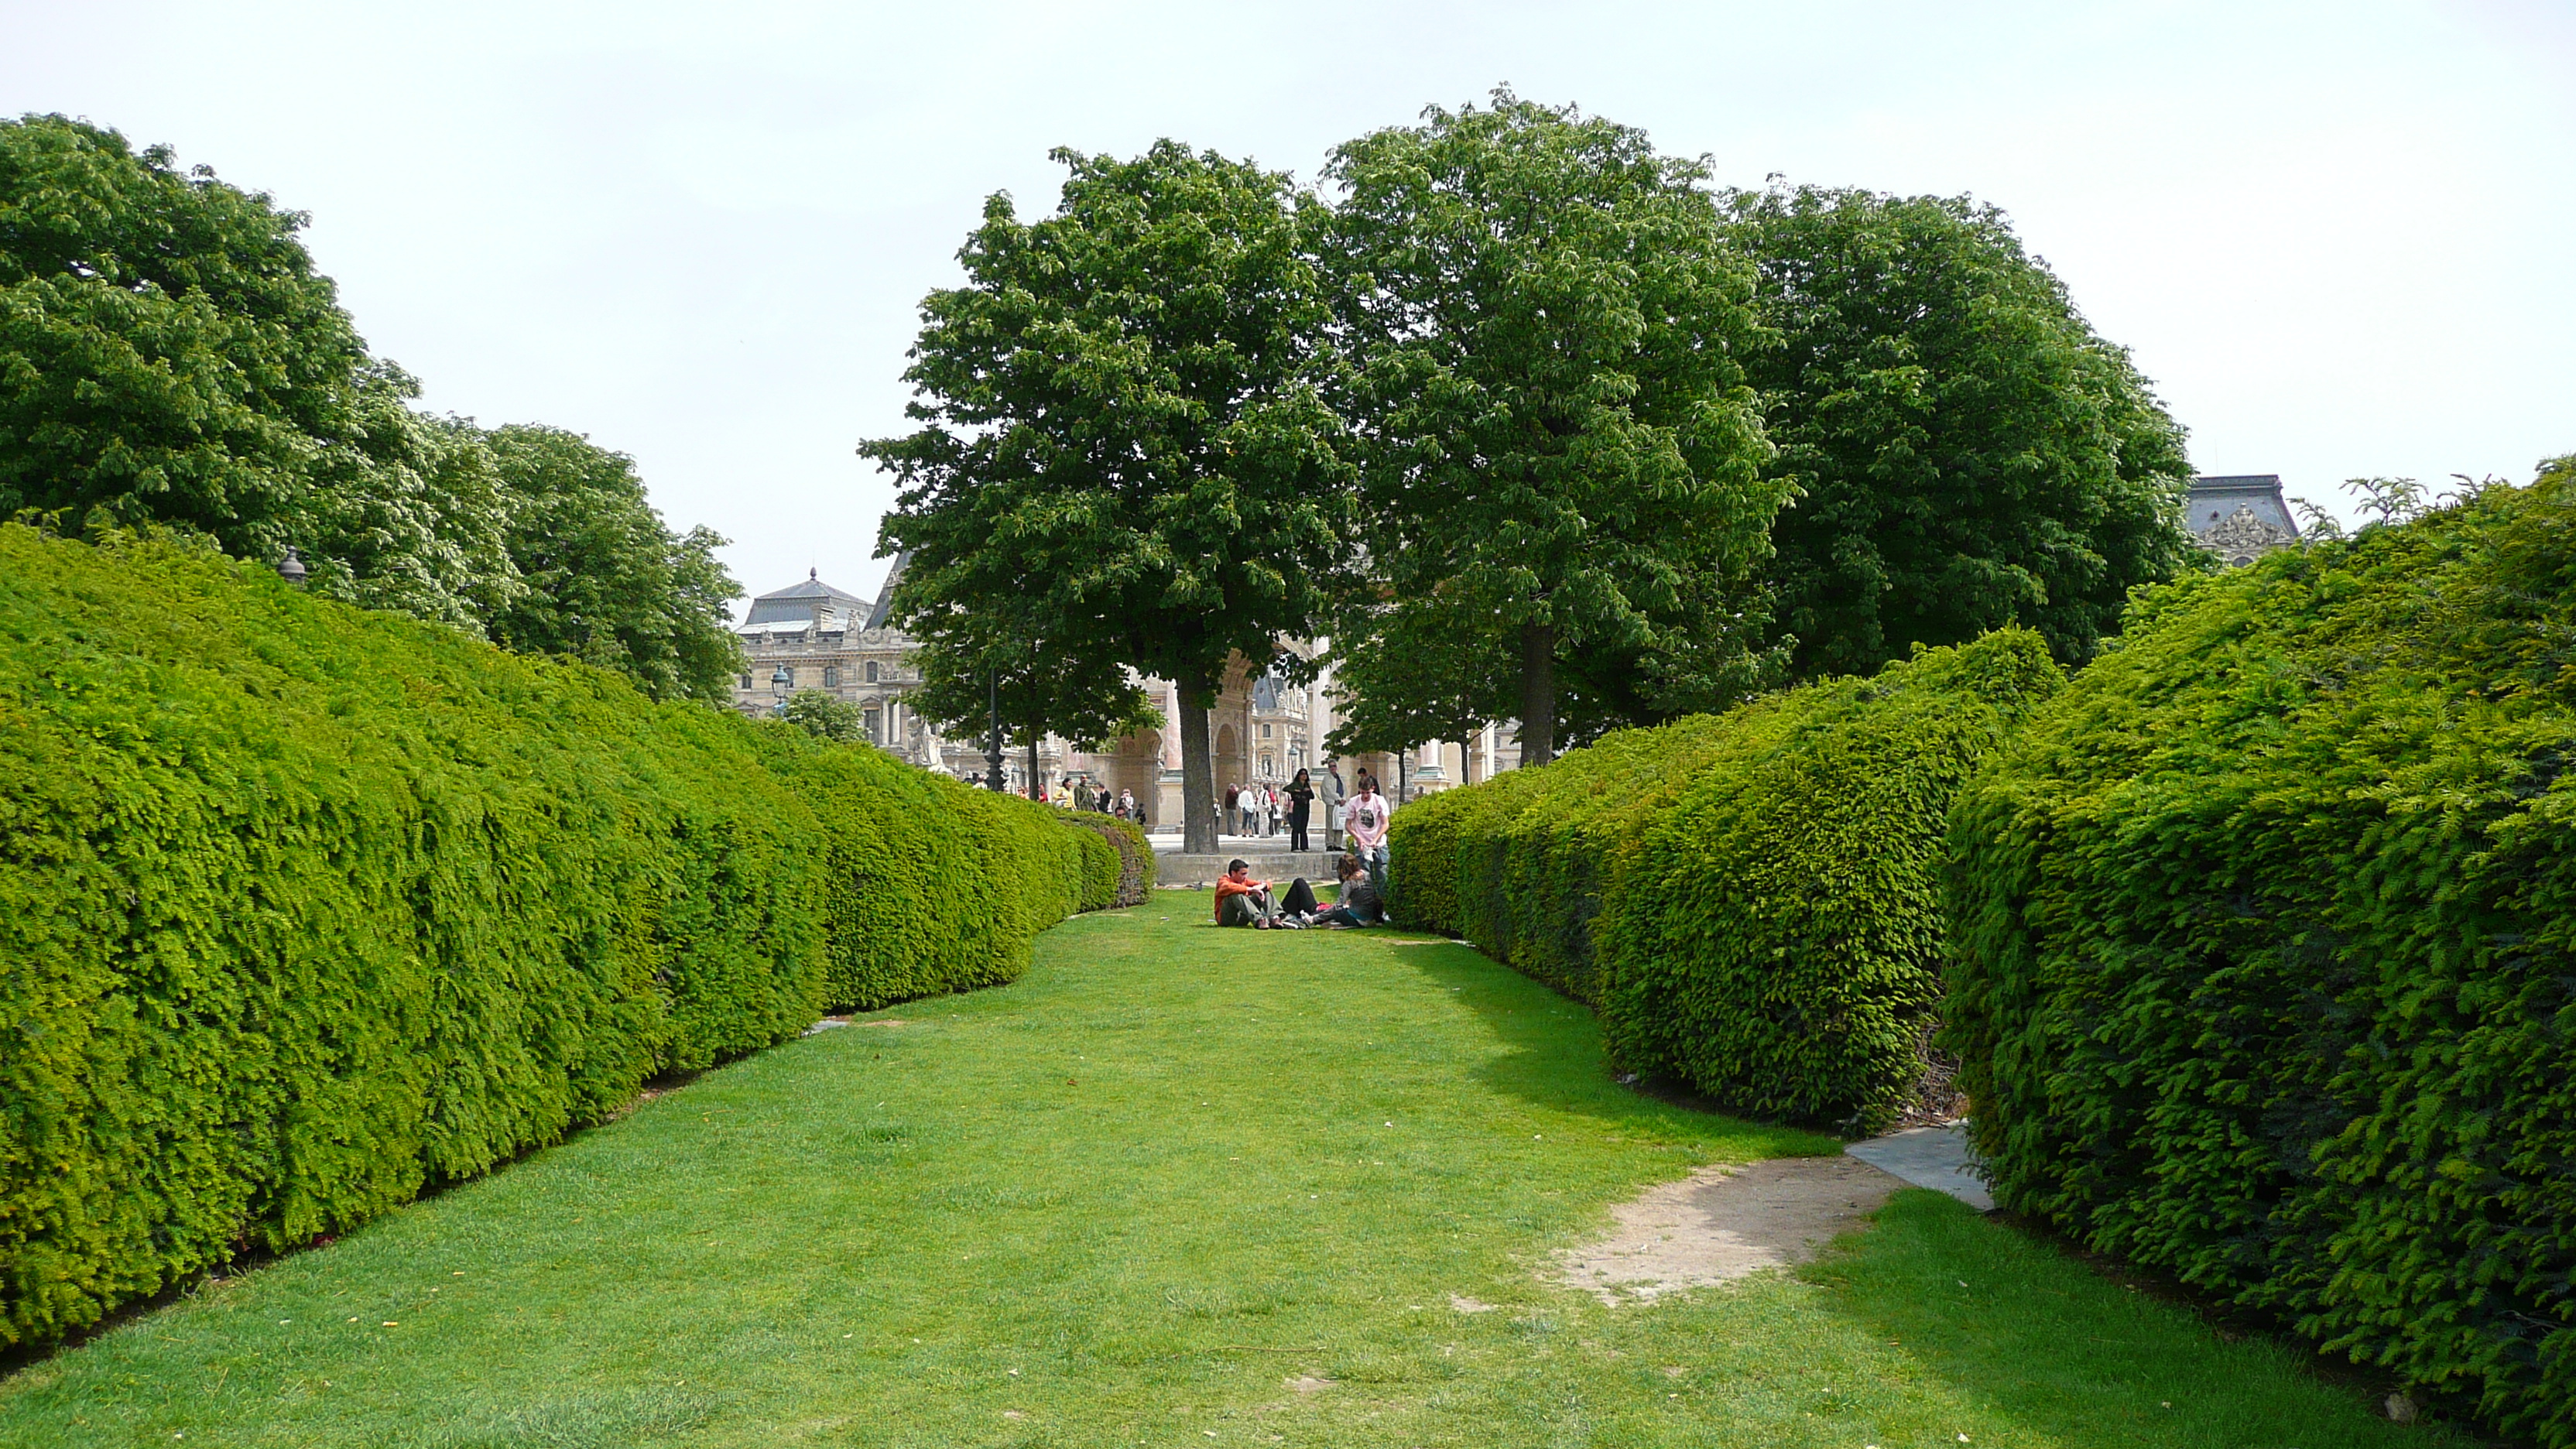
(1722, 1223)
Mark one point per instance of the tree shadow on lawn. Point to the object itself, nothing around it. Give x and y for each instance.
(1553, 1055)
(2033, 1334)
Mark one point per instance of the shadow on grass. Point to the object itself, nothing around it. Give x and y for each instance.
(2031, 1333)
(1553, 1055)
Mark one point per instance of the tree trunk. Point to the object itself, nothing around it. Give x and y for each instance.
(1198, 772)
(1037, 783)
(1538, 694)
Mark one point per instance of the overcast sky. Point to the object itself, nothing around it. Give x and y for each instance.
(2340, 237)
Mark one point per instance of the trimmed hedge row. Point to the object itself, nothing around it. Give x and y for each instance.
(303, 909)
(1752, 899)
(1132, 879)
(2264, 963)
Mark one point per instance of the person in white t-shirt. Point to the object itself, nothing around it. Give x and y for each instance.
(1367, 815)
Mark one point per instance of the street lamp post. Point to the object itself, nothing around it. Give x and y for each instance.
(291, 568)
(993, 749)
(780, 681)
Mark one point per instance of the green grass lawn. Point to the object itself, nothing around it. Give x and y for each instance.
(1125, 1202)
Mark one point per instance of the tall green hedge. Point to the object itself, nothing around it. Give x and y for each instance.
(1132, 877)
(1750, 899)
(304, 908)
(1775, 937)
(2264, 966)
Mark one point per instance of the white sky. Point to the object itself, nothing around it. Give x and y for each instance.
(2341, 237)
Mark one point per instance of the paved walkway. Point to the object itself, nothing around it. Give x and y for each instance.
(1933, 1157)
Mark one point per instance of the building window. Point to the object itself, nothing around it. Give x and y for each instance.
(746, 679)
(875, 735)
(1265, 731)
(872, 671)
(831, 676)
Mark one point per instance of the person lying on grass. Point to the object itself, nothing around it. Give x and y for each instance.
(1359, 904)
(1243, 901)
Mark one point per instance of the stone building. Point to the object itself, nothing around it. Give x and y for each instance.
(1263, 729)
(811, 635)
(2240, 517)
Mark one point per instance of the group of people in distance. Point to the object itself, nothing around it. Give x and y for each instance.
(1263, 808)
(1083, 795)
(1243, 901)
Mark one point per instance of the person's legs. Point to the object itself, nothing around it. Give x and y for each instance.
(1339, 916)
(1297, 829)
(1376, 859)
(1238, 911)
(1301, 898)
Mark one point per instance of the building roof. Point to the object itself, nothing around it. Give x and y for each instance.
(885, 595)
(2215, 499)
(798, 603)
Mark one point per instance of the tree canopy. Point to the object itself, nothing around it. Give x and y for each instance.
(1968, 452)
(1546, 336)
(607, 580)
(169, 357)
(1126, 451)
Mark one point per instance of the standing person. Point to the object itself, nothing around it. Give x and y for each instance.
(1082, 796)
(1251, 816)
(1368, 815)
(1329, 786)
(1269, 810)
(1233, 811)
(1301, 799)
(1126, 804)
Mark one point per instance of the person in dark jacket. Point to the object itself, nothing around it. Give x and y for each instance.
(1301, 801)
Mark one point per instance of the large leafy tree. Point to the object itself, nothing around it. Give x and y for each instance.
(169, 356)
(1126, 453)
(1546, 338)
(1969, 453)
(607, 580)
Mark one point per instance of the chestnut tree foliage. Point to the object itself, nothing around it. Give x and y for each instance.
(1545, 338)
(1125, 450)
(170, 358)
(1966, 451)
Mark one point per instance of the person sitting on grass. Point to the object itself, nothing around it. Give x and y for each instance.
(1243, 901)
(1359, 905)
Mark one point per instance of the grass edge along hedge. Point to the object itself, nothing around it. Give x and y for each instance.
(2264, 960)
(304, 909)
(1750, 900)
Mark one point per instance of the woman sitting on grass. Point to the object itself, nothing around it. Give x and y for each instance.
(1359, 904)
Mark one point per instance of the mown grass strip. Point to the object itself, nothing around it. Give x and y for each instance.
(1177, 1186)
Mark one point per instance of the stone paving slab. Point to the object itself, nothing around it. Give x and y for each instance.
(1933, 1157)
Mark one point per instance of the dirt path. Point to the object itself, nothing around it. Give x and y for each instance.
(1723, 1222)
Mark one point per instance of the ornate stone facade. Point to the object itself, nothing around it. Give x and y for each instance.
(1264, 729)
(2240, 517)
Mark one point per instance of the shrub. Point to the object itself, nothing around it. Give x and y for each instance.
(1751, 899)
(1134, 877)
(2264, 968)
(304, 908)
(1773, 935)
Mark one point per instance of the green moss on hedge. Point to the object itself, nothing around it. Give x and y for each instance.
(304, 908)
(2265, 960)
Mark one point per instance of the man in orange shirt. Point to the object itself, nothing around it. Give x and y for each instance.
(1241, 900)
